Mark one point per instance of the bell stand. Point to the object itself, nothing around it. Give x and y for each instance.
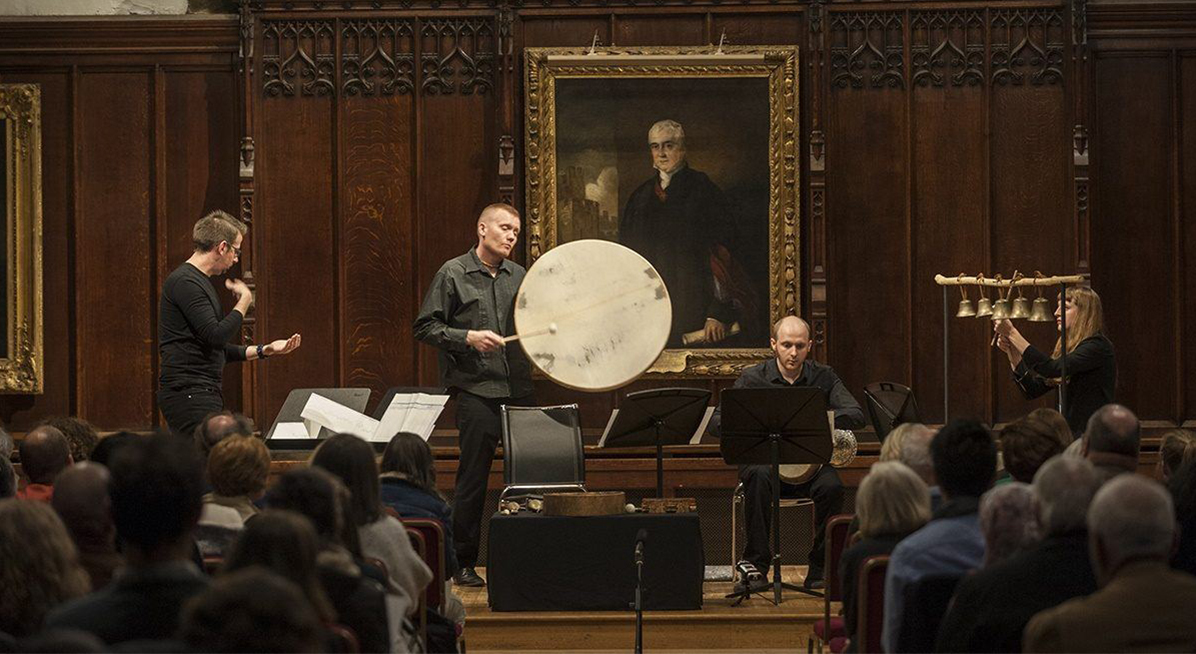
(944, 281)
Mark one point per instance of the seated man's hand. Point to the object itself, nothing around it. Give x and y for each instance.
(715, 330)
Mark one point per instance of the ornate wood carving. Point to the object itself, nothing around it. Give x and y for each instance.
(298, 52)
(867, 48)
(947, 47)
(1027, 43)
(457, 55)
(377, 57)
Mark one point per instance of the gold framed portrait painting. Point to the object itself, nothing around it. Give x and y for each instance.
(689, 157)
(21, 366)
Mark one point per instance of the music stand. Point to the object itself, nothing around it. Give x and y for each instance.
(775, 426)
(658, 417)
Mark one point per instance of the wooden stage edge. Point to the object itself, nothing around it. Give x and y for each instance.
(755, 625)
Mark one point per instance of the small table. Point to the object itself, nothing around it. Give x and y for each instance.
(558, 563)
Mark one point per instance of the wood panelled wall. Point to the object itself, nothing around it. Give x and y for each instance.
(936, 137)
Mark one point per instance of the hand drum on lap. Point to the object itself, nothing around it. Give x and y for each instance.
(609, 306)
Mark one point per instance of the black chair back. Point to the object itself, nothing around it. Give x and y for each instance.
(542, 447)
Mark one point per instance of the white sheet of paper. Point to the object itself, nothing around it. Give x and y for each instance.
(291, 430)
(337, 417)
(697, 437)
(602, 441)
(410, 412)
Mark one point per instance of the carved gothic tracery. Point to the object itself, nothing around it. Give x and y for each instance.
(1027, 43)
(457, 55)
(298, 51)
(377, 57)
(947, 47)
(867, 48)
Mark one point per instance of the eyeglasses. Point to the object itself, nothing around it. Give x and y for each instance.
(236, 250)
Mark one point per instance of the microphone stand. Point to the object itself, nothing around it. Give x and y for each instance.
(639, 592)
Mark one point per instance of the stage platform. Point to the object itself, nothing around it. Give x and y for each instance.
(755, 625)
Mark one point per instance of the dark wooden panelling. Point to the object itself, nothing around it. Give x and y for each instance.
(1133, 245)
(758, 29)
(377, 251)
(1186, 295)
(1030, 198)
(675, 28)
(115, 257)
(562, 31)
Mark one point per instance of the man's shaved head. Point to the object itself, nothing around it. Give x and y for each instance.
(81, 500)
(790, 322)
(45, 452)
(497, 210)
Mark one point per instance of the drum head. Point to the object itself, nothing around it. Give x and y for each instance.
(611, 310)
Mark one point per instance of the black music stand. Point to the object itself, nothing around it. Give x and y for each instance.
(775, 426)
(655, 418)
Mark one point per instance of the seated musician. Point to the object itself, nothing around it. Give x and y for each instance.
(791, 367)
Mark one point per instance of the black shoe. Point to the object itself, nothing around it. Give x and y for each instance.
(814, 580)
(468, 577)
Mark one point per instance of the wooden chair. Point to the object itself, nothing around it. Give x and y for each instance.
(434, 541)
(870, 596)
(344, 640)
(829, 628)
(421, 611)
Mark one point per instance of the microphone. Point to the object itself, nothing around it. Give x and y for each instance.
(641, 537)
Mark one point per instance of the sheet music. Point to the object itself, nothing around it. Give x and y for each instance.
(609, 423)
(702, 426)
(337, 417)
(291, 430)
(410, 412)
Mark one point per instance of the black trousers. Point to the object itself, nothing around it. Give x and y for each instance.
(185, 408)
(825, 489)
(479, 427)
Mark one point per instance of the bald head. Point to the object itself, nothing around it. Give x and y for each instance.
(1113, 429)
(790, 325)
(791, 344)
(45, 452)
(81, 500)
(218, 426)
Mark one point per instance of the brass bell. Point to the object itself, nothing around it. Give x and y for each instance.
(965, 306)
(1000, 309)
(1041, 312)
(1021, 307)
(984, 307)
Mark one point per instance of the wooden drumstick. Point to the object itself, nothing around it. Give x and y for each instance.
(550, 330)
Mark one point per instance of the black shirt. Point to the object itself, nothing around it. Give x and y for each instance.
(193, 338)
(1091, 377)
(848, 414)
(464, 296)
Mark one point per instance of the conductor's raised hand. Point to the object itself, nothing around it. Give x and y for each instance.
(483, 340)
(284, 345)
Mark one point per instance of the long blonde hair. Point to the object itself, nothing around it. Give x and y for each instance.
(1090, 318)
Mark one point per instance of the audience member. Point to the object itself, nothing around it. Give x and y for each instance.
(106, 449)
(1182, 485)
(8, 478)
(1026, 444)
(81, 500)
(1176, 447)
(1111, 441)
(359, 600)
(79, 433)
(220, 425)
(891, 503)
(890, 448)
(238, 468)
(1056, 422)
(156, 490)
(1143, 605)
(965, 461)
(408, 485)
(285, 543)
(39, 567)
(44, 453)
(382, 537)
(991, 608)
(1008, 520)
(252, 610)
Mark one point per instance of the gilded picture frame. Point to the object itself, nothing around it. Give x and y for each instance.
(21, 359)
(581, 107)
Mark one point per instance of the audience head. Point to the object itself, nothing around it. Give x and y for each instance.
(45, 452)
(1177, 447)
(313, 493)
(1112, 437)
(352, 460)
(892, 500)
(965, 458)
(285, 543)
(79, 433)
(1008, 520)
(890, 448)
(8, 478)
(106, 449)
(157, 492)
(1065, 486)
(915, 452)
(239, 467)
(408, 456)
(1026, 445)
(81, 500)
(1055, 421)
(1131, 518)
(218, 426)
(39, 566)
(251, 610)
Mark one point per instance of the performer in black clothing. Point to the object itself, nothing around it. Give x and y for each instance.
(194, 341)
(791, 367)
(1091, 365)
(469, 307)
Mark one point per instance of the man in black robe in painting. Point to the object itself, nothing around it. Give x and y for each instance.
(683, 224)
